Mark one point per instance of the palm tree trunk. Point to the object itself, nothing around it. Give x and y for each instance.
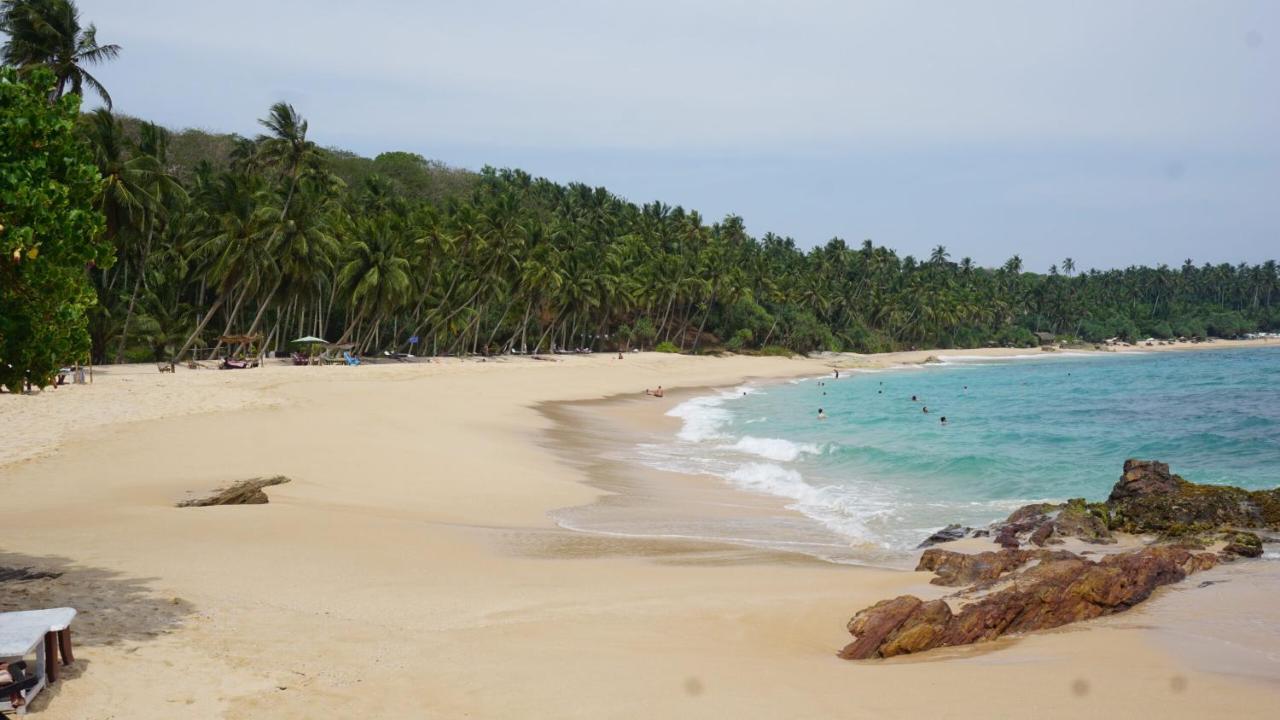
(266, 302)
(217, 303)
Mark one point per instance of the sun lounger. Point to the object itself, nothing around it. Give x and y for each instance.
(350, 359)
(43, 633)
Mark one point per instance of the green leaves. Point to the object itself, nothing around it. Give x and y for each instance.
(51, 232)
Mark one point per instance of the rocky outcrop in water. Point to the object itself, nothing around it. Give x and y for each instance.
(1148, 499)
(245, 492)
(1022, 589)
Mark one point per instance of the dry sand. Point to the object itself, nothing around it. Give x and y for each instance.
(411, 570)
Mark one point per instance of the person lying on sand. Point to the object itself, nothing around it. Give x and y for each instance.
(654, 393)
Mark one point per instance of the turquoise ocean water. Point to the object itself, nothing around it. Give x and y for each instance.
(883, 474)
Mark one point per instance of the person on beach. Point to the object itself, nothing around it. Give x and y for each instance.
(659, 392)
(837, 372)
(822, 415)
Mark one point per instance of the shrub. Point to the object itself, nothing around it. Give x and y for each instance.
(666, 346)
(50, 230)
(740, 339)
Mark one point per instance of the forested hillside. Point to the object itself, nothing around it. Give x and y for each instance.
(274, 236)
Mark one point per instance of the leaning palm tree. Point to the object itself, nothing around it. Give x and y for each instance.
(47, 33)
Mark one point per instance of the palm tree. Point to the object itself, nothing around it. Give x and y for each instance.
(375, 276)
(47, 33)
(287, 147)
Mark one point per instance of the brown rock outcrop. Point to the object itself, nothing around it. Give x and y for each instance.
(245, 492)
(1060, 589)
(1143, 477)
(955, 568)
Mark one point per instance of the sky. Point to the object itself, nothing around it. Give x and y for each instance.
(1115, 132)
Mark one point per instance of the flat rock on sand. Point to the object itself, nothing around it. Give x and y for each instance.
(244, 492)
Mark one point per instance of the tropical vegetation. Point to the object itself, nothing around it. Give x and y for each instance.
(278, 237)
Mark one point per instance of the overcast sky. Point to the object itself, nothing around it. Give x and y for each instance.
(1111, 131)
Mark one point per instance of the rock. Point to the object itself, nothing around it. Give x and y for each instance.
(953, 568)
(1242, 544)
(1060, 589)
(1078, 520)
(245, 492)
(872, 625)
(1007, 538)
(949, 533)
(1184, 508)
(1143, 477)
(1025, 519)
(1033, 514)
(1040, 535)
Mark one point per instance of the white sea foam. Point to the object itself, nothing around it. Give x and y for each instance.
(995, 359)
(773, 448)
(704, 416)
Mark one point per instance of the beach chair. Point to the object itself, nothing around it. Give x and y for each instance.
(350, 359)
(43, 633)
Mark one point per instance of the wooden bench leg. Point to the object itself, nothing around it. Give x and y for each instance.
(51, 667)
(64, 646)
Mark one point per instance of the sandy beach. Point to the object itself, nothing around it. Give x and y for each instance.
(413, 566)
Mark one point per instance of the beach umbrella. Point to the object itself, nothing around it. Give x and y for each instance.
(312, 339)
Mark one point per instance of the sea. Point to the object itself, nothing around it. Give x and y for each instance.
(882, 471)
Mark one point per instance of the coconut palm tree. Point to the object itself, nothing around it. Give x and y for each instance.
(48, 33)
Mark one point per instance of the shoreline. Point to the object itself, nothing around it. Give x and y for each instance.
(414, 546)
(652, 493)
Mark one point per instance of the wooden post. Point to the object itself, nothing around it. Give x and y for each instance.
(51, 668)
(64, 646)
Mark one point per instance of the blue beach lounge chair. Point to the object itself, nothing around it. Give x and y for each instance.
(352, 360)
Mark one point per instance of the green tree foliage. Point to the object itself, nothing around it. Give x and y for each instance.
(50, 231)
(47, 33)
(277, 241)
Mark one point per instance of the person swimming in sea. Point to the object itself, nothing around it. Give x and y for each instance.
(914, 399)
(944, 419)
(925, 409)
(822, 415)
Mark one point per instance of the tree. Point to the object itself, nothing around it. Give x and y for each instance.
(47, 33)
(49, 231)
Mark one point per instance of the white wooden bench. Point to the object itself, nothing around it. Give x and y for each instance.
(43, 633)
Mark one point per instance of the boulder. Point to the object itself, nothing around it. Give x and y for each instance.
(1078, 519)
(1187, 508)
(1143, 477)
(949, 533)
(954, 568)
(1242, 544)
(244, 492)
(1060, 589)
